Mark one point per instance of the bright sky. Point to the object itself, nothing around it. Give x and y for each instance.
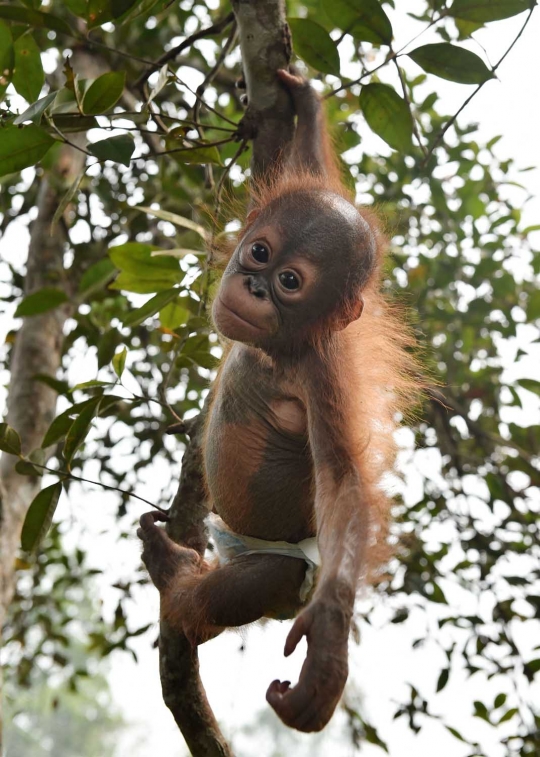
(383, 664)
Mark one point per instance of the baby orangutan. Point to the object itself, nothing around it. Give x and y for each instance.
(300, 427)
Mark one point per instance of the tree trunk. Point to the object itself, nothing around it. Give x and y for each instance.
(31, 404)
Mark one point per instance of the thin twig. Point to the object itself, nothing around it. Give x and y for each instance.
(205, 126)
(210, 31)
(391, 56)
(127, 113)
(65, 139)
(409, 105)
(476, 429)
(208, 107)
(340, 39)
(225, 174)
(175, 352)
(116, 51)
(198, 146)
(333, 92)
(208, 173)
(424, 30)
(68, 474)
(208, 79)
(452, 120)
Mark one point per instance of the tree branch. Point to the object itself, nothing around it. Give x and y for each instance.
(265, 44)
(407, 99)
(210, 31)
(265, 41)
(452, 120)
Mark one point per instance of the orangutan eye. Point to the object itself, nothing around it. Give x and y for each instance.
(289, 280)
(260, 253)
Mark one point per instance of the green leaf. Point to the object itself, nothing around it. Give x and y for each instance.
(97, 276)
(28, 468)
(456, 734)
(163, 78)
(136, 259)
(71, 124)
(119, 7)
(92, 384)
(481, 711)
(150, 308)
(314, 45)
(482, 11)
(41, 301)
(178, 253)
(388, 115)
(39, 516)
(530, 384)
(63, 422)
(119, 362)
(7, 56)
(28, 76)
(103, 93)
(175, 219)
(35, 18)
(80, 428)
(533, 305)
(372, 737)
(443, 679)
(174, 314)
(364, 19)
(451, 62)
(127, 282)
(36, 110)
(25, 468)
(107, 345)
(77, 7)
(66, 101)
(32, 3)
(437, 594)
(98, 12)
(22, 147)
(119, 149)
(466, 28)
(508, 715)
(58, 429)
(145, 6)
(10, 441)
(500, 699)
(194, 155)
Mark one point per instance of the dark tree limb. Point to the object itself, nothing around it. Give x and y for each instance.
(170, 55)
(269, 122)
(181, 684)
(265, 41)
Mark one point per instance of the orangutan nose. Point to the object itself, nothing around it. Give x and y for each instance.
(257, 286)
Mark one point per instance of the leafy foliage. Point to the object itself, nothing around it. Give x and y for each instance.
(387, 114)
(138, 281)
(54, 690)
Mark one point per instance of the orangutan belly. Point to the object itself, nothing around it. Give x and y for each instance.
(258, 464)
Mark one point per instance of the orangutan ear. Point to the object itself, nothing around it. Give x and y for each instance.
(353, 313)
(251, 216)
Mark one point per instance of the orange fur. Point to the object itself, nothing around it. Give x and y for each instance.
(374, 359)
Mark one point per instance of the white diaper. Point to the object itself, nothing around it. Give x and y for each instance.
(230, 544)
